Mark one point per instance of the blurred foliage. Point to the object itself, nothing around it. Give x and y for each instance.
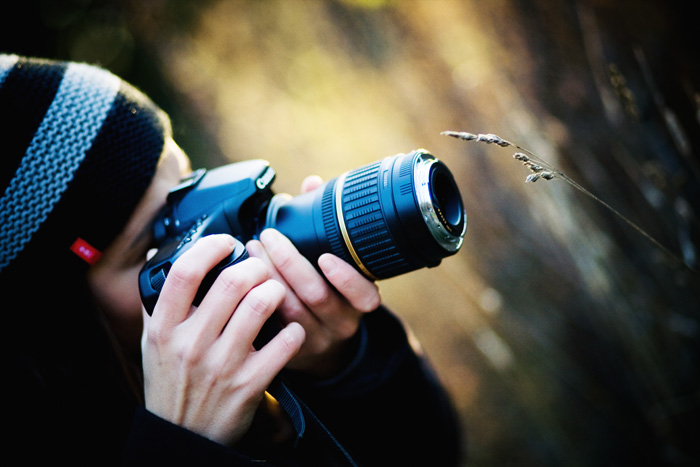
(563, 335)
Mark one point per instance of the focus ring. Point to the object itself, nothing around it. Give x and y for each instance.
(366, 225)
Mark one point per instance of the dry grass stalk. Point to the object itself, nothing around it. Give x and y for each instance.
(543, 170)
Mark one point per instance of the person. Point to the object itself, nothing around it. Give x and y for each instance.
(94, 379)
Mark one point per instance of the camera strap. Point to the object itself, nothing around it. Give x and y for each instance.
(304, 420)
(290, 404)
(300, 413)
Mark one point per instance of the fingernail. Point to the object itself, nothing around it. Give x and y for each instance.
(328, 264)
(269, 236)
(297, 332)
(253, 247)
(228, 239)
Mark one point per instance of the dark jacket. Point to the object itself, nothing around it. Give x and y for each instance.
(70, 400)
(387, 408)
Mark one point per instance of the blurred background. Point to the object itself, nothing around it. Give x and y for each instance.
(564, 336)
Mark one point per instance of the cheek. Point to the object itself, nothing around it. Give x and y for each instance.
(117, 294)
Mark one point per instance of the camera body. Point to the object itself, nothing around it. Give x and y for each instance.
(228, 199)
(387, 218)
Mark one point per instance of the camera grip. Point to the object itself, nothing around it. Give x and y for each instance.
(153, 275)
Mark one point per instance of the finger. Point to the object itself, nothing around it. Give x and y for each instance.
(144, 333)
(359, 291)
(185, 277)
(326, 305)
(250, 316)
(296, 270)
(225, 295)
(310, 183)
(256, 250)
(277, 353)
(292, 308)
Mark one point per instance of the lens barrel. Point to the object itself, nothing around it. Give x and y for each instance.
(387, 218)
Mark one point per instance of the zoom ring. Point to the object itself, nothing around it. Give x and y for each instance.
(366, 225)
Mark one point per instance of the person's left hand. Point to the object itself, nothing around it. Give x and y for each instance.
(329, 310)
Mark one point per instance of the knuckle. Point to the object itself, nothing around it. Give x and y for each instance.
(256, 263)
(282, 258)
(317, 296)
(259, 304)
(183, 349)
(160, 334)
(247, 385)
(293, 311)
(264, 298)
(230, 280)
(289, 344)
(155, 336)
(182, 277)
(259, 268)
(188, 354)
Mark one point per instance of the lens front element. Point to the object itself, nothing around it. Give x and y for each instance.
(439, 202)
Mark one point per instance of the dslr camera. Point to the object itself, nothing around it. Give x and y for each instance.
(386, 218)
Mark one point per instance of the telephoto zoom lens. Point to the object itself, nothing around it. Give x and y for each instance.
(387, 218)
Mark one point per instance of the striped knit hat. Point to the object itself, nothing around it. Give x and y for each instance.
(79, 147)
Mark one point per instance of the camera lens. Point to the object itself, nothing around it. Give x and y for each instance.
(387, 218)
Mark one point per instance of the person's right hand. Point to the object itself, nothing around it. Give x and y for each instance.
(201, 370)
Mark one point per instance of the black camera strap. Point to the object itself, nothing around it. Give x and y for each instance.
(290, 404)
(300, 413)
(304, 420)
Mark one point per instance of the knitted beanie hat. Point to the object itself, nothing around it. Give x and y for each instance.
(79, 148)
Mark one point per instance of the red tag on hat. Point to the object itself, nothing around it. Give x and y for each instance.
(86, 251)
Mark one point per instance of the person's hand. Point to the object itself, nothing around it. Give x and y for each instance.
(329, 310)
(201, 370)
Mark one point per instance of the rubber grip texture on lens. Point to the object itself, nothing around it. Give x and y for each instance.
(366, 224)
(330, 223)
